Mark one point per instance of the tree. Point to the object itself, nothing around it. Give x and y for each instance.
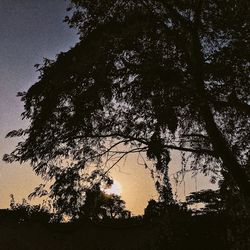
(160, 210)
(114, 206)
(99, 205)
(152, 75)
(153, 210)
(26, 213)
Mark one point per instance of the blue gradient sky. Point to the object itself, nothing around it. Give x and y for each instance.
(30, 30)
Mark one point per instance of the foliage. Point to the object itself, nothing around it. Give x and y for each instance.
(211, 199)
(148, 76)
(24, 212)
(162, 210)
(99, 205)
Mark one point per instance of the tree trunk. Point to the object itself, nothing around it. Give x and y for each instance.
(218, 141)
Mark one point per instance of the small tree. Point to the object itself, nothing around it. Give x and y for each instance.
(26, 213)
(114, 206)
(99, 205)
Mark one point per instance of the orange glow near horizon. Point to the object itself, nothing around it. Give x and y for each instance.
(131, 181)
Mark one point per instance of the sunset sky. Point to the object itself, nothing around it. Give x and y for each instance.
(30, 31)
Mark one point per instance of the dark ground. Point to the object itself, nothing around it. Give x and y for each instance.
(65, 237)
(200, 232)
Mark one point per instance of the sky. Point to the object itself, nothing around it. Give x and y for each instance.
(30, 31)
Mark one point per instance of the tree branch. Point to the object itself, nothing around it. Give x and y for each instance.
(113, 135)
(192, 150)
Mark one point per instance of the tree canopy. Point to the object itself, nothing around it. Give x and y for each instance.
(99, 205)
(146, 76)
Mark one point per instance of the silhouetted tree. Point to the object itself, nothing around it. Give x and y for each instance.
(153, 210)
(152, 75)
(114, 207)
(25, 212)
(158, 209)
(99, 205)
